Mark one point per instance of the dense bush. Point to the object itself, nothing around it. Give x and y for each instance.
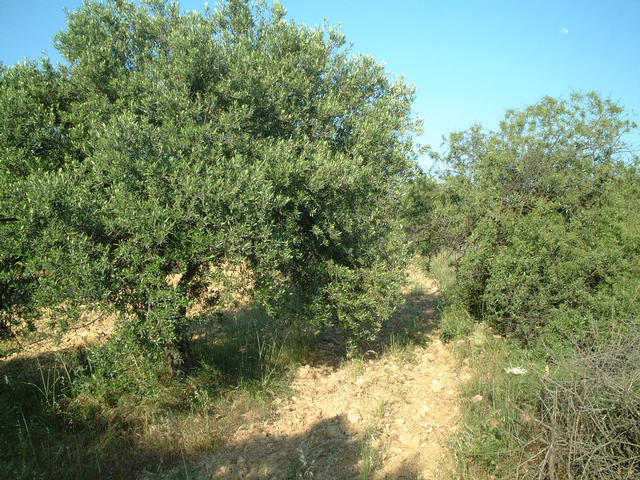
(545, 214)
(173, 142)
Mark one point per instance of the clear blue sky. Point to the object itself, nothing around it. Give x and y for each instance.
(470, 60)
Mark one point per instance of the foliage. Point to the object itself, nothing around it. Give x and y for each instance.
(543, 218)
(420, 197)
(116, 410)
(545, 215)
(176, 141)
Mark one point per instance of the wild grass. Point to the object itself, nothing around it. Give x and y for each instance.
(543, 412)
(370, 458)
(118, 409)
(533, 417)
(441, 268)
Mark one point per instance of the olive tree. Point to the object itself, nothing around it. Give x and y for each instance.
(175, 141)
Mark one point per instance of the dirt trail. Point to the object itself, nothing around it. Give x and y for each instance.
(388, 417)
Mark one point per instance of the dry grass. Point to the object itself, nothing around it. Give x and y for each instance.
(110, 410)
(589, 416)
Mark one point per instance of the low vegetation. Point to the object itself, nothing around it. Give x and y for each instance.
(81, 413)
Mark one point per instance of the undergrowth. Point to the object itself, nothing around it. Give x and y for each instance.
(542, 412)
(529, 416)
(118, 409)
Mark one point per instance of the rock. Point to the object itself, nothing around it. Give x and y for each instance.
(354, 417)
(409, 440)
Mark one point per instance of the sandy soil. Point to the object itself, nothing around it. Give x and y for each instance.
(92, 328)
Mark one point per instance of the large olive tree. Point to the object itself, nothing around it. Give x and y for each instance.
(175, 141)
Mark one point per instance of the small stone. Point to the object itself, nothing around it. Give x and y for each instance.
(353, 417)
(436, 385)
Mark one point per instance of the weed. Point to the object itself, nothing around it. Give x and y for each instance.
(455, 322)
(369, 458)
(82, 416)
(575, 417)
(441, 267)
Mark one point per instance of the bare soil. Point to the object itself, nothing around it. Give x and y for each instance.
(390, 416)
(93, 328)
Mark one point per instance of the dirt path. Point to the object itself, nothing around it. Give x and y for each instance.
(388, 417)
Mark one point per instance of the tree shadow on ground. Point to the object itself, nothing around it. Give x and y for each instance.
(138, 418)
(329, 449)
(36, 439)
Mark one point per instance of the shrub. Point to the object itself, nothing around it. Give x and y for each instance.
(590, 414)
(547, 214)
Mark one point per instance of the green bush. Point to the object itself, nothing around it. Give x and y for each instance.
(544, 216)
(547, 221)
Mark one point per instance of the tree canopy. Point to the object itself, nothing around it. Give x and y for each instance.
(172, 142)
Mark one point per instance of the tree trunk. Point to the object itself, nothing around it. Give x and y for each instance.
(178, 352)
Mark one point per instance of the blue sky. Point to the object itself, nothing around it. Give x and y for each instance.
(470, 60)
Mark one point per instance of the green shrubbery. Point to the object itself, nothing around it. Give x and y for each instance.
(171, 153)
(546, 221)
(174, 147)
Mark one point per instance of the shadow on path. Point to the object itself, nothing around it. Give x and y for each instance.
(329, 450)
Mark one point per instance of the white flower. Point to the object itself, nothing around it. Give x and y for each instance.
(515, 370)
